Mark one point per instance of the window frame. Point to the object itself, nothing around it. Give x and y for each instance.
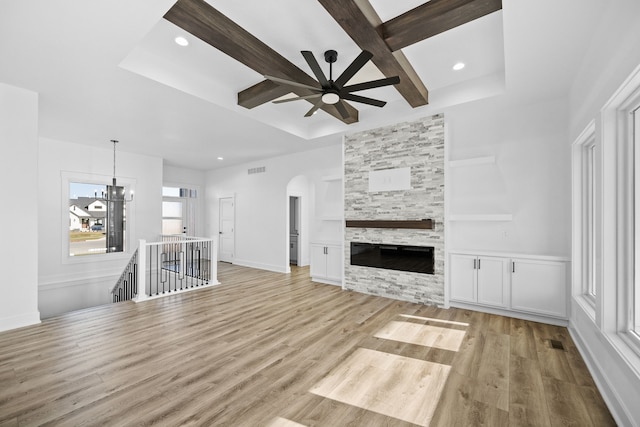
(586, 200)
(618, 207)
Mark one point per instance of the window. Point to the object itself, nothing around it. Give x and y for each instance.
(97, 223)
(635, 132)
(590, 218)
(179, 206)
(621, 211)
(586, 219)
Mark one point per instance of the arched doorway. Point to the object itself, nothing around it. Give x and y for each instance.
(297, 221)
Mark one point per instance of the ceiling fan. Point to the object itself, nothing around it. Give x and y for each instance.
(335, 92)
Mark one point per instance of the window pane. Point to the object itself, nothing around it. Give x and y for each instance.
(96, 226)
(636, 192)
(171, 226)
(172, 209)
(591, 220)
(170, 192)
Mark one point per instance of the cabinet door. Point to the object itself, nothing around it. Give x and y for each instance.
(492, 283)
(334, 263)
(539, 287)
(318, 261)
(462, 278)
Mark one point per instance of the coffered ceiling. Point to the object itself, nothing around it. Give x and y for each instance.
(109, 70)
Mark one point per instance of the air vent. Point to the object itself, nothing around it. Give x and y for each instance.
(261, 169)
(556, 345)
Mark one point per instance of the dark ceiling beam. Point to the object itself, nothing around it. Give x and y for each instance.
(360, 21)
(261, 93)
(434, 17)
(208, 24)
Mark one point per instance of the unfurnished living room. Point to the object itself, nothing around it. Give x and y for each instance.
(320, 213)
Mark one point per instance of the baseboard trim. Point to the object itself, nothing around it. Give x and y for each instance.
(609, 394)
(260, 266)
(19, 321)
(509, 313)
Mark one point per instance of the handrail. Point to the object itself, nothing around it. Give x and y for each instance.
(127, 286)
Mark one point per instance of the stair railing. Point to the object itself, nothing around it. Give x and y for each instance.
(177, 263)
(127, 285)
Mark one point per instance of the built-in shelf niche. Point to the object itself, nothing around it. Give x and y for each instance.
(329, 203)
(476, 161)
(425, 224)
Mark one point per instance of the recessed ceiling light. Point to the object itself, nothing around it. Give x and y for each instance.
(220, 158)
(181, 41)
(458, 66)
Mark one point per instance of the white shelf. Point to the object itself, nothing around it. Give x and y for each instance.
(331, 218)
(472, 161)
(332, 178)
(481, 217)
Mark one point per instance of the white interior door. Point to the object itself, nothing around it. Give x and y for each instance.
(227, 229)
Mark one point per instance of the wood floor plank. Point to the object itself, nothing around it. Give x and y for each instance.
(251, 350)
(527, 403)
(566, 407)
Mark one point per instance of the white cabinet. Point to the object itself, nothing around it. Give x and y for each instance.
(528, 284)
(539, 286)
(479, 279)
(326, 263)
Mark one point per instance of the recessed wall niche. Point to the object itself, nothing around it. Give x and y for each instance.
(419, 146)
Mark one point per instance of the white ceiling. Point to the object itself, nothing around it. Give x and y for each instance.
(108, 70)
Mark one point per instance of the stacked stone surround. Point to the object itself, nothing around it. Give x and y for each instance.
(420, 146)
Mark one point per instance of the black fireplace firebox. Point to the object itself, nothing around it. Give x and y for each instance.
(417, 259)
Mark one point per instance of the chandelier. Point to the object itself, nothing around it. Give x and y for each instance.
(114, 192)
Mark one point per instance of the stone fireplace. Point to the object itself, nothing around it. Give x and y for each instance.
(407, 162)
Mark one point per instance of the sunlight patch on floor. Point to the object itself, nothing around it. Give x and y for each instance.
(400, 387)
(426, 335)
(283, 422)
(430, 319)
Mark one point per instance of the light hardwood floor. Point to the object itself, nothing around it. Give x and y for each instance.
(269, 349)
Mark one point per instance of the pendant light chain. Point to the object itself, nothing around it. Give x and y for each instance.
(115, 141)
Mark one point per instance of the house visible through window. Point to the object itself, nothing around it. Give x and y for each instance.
(96, 221)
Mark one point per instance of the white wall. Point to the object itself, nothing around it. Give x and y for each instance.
(261, 209)
(174, 176)
(530, 178)
(613, 55)
(70, 284)
(19, 178)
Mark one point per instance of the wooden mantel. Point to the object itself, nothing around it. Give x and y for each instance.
(416, 224)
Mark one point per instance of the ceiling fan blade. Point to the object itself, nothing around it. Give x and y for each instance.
(372, 84)
(297, 98)
(290, 83)
(315, 67)
(342, 109)
(363, 100)
(314, 108)
(352, 69)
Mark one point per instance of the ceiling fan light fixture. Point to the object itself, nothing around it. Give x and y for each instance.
(330, 98)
